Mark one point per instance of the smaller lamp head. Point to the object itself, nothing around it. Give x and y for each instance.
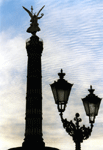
(91, 105)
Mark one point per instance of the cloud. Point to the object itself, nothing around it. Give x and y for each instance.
(13, 88)
(79, 53)
(1, 1)
(72, 36)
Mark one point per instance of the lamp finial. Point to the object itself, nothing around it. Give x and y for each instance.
(61, 74)
(91, 90)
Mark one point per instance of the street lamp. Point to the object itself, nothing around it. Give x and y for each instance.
(61, 91)
(91, 105)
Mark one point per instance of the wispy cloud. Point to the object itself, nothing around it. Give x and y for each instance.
(72, 34)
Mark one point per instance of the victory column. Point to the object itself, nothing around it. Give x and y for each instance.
(33, 127)
(33, 121)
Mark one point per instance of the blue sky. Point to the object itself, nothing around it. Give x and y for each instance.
(72, 32)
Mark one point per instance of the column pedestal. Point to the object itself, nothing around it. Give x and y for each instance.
(37, 148)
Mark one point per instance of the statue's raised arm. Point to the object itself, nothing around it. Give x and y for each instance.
(40, 10)
(34, 18)
(30, 14)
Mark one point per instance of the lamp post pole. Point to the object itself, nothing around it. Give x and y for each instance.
(61, 90)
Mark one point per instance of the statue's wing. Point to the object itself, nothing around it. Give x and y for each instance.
(30, 14)
(40, 10)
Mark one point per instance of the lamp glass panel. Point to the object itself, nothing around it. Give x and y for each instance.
(97, 108)
(61, 107)
(91, 119)
(86, 106)
(92, 109)
(66, 96)
(54, 91)
(60, 93)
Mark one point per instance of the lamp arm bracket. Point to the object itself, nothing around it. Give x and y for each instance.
(68, 125)
(73, 131)
(86, 131)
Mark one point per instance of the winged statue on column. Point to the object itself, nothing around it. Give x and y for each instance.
(34, 20)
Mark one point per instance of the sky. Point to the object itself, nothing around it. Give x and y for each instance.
(72, 34)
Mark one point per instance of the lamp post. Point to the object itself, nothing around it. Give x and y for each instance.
(61, 91)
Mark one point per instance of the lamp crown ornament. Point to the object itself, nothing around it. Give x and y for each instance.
(91, 90)
(61, 74)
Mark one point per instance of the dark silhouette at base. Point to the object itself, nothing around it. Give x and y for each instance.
(45, 148)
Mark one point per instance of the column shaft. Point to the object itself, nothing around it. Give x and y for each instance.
(33, 126)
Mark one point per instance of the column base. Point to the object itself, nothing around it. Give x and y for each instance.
(45, 148)
(32, 143)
